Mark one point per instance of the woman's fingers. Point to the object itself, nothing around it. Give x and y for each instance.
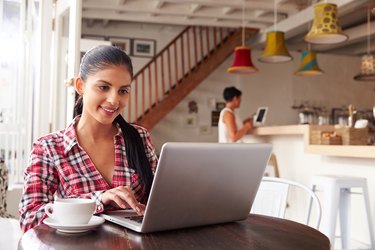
(123, 197)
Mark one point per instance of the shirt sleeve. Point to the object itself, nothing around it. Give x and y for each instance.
(40, 184)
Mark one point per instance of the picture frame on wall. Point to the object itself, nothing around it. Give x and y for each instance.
(94, 37)
(122, 43)
(144, 47)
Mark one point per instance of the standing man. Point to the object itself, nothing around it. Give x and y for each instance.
(231, 127)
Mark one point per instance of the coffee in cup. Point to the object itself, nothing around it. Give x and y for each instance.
(71, 211)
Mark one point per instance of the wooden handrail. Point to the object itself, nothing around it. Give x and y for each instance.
(162, 51)
(161, 80)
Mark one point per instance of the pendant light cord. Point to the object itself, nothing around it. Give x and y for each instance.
(275, 15)
(243, 22)
(368, 31)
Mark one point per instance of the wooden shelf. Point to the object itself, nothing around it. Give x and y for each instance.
(342, 150)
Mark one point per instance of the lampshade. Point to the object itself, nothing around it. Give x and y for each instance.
(309, 65)
(368, 62)
(242, 63)
(326, 28)
(367, 69)
(275, 50)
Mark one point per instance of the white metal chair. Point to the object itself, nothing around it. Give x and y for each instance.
(272, 195)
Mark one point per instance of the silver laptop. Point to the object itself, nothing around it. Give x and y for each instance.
(199, 184)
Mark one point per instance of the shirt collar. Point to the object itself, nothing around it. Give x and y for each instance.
(70, 135)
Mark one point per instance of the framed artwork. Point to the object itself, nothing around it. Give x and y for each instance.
(220, 106)
(144, 47)
(215, 114)
(190, 121)
(94, 37)
(122, 43)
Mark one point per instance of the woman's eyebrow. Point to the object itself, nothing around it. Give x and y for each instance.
(106, 82)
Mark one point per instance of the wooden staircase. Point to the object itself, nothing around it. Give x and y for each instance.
(177, 69)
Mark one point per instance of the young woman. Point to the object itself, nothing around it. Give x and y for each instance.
(230, 127)
(99, 155)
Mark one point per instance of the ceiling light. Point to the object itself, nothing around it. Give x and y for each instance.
(275, 50)
(242, 63)
(326, 28)
(309, 65)
(367, 72)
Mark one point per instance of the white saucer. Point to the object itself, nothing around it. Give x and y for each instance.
(94, 222)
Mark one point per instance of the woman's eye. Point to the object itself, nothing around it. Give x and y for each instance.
(124, 91)
(103, 87)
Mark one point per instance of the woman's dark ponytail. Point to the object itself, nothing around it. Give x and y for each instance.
(78, 106)
(100, 58)
(135, 152)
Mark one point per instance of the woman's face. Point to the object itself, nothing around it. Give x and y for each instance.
(237, 101)
(106, 93)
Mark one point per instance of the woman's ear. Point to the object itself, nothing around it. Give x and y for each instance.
(79, 85)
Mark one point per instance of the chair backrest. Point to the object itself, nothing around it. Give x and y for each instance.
(272, 198)
(272, 168)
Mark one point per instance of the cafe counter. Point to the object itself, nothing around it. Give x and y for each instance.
(263, 134)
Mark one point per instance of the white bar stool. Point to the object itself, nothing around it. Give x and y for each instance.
(337, 199)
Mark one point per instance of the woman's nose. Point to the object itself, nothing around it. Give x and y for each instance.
(113, 98)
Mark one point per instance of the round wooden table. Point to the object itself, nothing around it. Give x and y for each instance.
(256, 232)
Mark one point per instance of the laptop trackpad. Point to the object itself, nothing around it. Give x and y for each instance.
(129, 214)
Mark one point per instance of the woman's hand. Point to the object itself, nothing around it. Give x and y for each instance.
(122, 197)
(248, 123)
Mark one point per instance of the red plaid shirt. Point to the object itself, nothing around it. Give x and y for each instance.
(59, 167)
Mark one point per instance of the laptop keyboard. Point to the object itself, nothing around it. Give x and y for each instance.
(138, 219)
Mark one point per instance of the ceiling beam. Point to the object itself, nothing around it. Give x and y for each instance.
(177, 20)
(260, 4)
(356, 34)
(91, 10)
(358, 49)
(195, 7)
(149, 6)
(159, 4)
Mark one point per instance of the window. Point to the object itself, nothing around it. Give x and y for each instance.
(17, 78)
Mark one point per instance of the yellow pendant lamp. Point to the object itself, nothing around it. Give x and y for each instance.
(309, 65)
(275, 50)
(367, 72)
(326, 28)
(242, 63)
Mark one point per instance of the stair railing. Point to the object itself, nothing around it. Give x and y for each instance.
(166, 70)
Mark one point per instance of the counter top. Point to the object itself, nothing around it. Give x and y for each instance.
(362, 151)
(281, 130)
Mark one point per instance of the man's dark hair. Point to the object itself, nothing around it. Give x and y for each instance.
(231, 92)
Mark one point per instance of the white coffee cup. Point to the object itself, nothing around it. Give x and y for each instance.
(71, 211)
